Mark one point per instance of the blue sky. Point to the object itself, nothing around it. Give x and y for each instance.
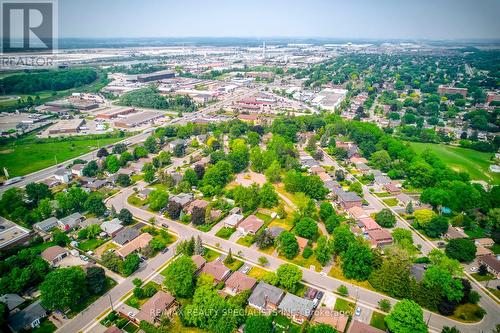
(384, 19)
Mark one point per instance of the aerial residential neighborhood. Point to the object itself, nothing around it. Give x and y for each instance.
(347, 182)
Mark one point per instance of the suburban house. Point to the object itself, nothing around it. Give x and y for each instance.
(90, 221)
(492, 263)
(360, 327)
(62, 175)
(161, 304)
(95, 185)
(143, 194)
(482, 251)
(51, 182)
(54, 254)
(297, 308)
(392, 188)
(265, 297)
(332, 185)
(404, 198)
(328, 316)
(71, 221)
(380, 237)
(217, 270)
(126, 235)
(233, 220)
(77, 170)
(485, 242)
(348, 199)
(183, 198)
(112, 227)
(199, 261)
(12, 300)
(125, 171)
(275, 231)
(367, 223)
(357, 212)
(176, 142)
(250, 225)
(239, 282)
(28, 318)
(196, 203)
(137, 243)
(46, 225)
(454, 233)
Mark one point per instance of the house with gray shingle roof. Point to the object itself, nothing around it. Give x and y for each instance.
(71, 221)
(297, 308)
(265, 297)
(28, 318)
(126, 235)
(46, 225)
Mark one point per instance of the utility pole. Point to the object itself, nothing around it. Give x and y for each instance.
(111, 302)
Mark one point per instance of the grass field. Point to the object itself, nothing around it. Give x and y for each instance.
(461, 159)
(378, 321)
(28, 154)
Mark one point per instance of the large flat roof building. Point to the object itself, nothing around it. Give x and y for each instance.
(138, 119)
(113, 113)
(12, 234)
(66, 126)
(160, 75)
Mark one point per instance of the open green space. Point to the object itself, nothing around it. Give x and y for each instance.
(91, 244)
(390, 201)
(378, 321)
(468, 313)
(210, 255)
(247, 240)
(474, 162)
(29, 154)
(235, 265)
(225, 232)
(480, 278)
(344, 306)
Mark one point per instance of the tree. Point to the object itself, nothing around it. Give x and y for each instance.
(179, 150)
(263, 261)
(247, 197)
(273, 172)
(342, 239)
(264, 239)
(381, 160)
(289, 275)
(198, 215)
(63, 288)
(96, 279)
(321, 328)
(137, 282)
(94, 204)
(258, 324)
(4, 315)
(125, 216)
(447, 329)
(436, 227)
(385, 218)
(36, 192)
(442, 284)
(112, 164)
(140, 152)
(342, 290)
(393, 276)
(323, 250)
(130, 264)
(174, 209)
(151, 145)
(190, 177)
(384, 305)
(198, 246)
(119, 148)
(483, 270)
(229, 259)
(123, 180)
(60, 238)
(409, 208)
(325, 210)
(406, 317)
(423, 216)
(287, 245)
(356, 187)
(461, 249)
(102, 152)
(357, 261)
(339, 175)
(307, 228)
(90, 169)
(200, 171)
(158, 199)
(268, 196)
(332, 222)
(179, 277)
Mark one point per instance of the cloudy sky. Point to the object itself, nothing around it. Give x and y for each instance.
(376, 19)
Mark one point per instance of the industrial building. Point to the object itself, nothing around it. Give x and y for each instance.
(329, 99)
(138, 119)
(12, 234)
(113, 113)
(66, 126)
(445, 90)
(166, 74)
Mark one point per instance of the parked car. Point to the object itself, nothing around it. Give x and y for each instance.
(358, 311)
(165, 250)
(473, 269)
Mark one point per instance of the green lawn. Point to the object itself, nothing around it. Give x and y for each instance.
(110, 283)
(390, 201)
(136, 302)
(91, 244)
(257, 273)
(468, 313)
(266, 218)
(210, 255)
(344, 306)
(378, 321)
(486, 277)
(461, 159)
(225, 232)
(235, 265)
(29, 154)
(46, 326)
(246, 240)
(496, 248)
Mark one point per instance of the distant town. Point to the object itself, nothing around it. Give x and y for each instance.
(252, 187)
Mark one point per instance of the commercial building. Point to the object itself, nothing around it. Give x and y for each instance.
(66, 126)
(329, 99)
(138, 119)
(167, 74)
(114, 113)
(445, 90)
(12, 234)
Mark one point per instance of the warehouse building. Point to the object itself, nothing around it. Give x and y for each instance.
(113, 113)
(138, 119)
(66, 126)
(167, 74)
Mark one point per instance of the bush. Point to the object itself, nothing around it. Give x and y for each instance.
(342, 290)
(384, 305)
(307, 253)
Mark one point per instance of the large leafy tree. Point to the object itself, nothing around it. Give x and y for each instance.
(323, 250)
(461, 249)
(94, 204)
(63, 288)
(342, 238)
(307, 228)
(385, 218)
(258, 324)
(179, 276)
(36, 192)
(289, 275)
(96, 279)
(436, 227)
(287, 245)
(130, 264)
(406, 317)
(357, 261)
(393, 276)
(158, 199)
(443, 284)
(268, 196)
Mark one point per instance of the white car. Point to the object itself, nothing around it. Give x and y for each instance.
(90, 253)
(473, 269)
(358, 311)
